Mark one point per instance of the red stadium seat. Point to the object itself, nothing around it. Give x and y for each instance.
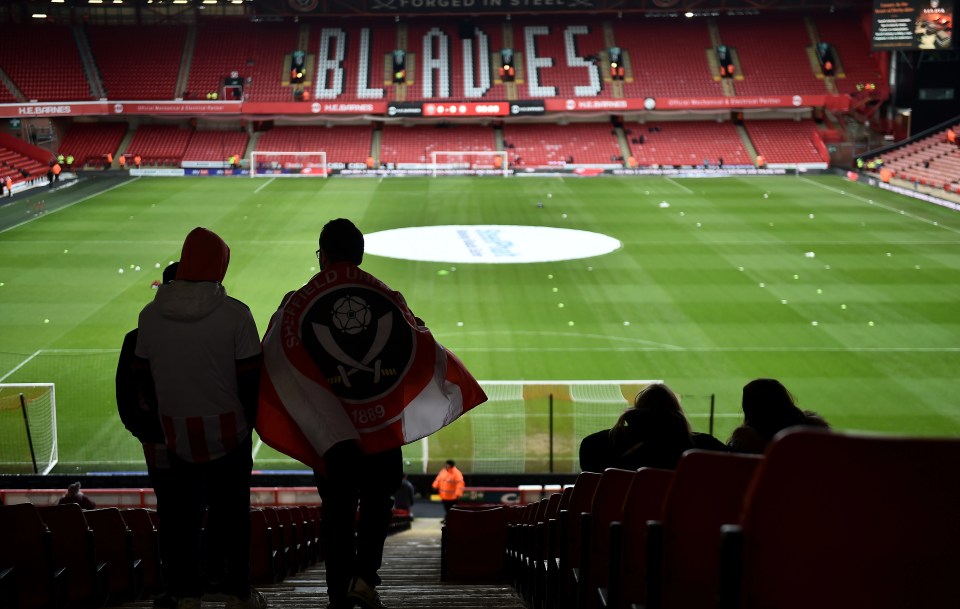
(29, 577)
(114, 543)
(842, 520)
(75, 552)
(628, 558)
(707, 492)
(473, 545)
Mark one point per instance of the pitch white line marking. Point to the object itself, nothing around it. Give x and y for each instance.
(257, 448)
(264, 185)
(886, 207)
(679, 185)
(21, 365)
(53, 211)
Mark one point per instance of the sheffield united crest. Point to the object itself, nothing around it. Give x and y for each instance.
(359, 340)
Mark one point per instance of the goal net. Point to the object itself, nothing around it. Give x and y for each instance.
(288, 164)
(486, 162)
(28, 428)
(537, 426)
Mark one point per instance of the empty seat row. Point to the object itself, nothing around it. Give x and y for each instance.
(823, 519)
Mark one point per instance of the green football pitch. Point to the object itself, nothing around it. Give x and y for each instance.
(848, 294)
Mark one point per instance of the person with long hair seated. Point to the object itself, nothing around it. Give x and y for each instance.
(768, 408)
(654, 432)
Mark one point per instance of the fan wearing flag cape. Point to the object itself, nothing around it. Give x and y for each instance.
(350, 375)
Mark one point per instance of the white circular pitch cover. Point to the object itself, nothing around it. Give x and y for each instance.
(488, 244)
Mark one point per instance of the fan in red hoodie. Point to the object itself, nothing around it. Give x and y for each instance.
(200, 351)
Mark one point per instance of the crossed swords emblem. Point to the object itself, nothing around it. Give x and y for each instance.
(330, 345)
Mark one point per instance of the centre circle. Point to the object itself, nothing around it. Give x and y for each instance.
(488, 244)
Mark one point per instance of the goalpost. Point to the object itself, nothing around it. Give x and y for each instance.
(288, 164)
(539, 424)
(28, 428)
(464, 162)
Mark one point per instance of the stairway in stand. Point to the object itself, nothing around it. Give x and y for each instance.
(411, 580)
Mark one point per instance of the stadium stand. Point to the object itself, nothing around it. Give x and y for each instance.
(159, 144)
(6, 95)
(562, 45)
(255, 50)
(628, 539)
(292, 532)
(773, 55)
(686, 143)
(591, 570)
(14, 164)
(145, 543)
(844, 520)
(543, 145)
(534, 574)
(139, 62)
(348, 83)
(215, 145)
(74, 551)
(89, 143)
(559, 585)
(343, 144)
(860, 65)
(684, 543)
(545, 569)
(473, 544)
(525, 556)
(289, 562)
(114, 543)
(931, 160)
(686, 74)
(29, 578)
(266, 564)
(44, 63)
(784, 141)
(414, 144)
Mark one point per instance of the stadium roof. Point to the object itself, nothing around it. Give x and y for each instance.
(58, 9)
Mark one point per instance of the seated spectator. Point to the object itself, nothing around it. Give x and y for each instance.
(653, 433)
(73, 495)
(768, 408)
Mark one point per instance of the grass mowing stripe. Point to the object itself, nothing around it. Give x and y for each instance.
(53, 211)
(887, 207)
(670, 304)
(20, 365)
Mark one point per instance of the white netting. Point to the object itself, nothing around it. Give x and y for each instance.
(288, 164)
(538, 426)
(19, 428)
(454, 162)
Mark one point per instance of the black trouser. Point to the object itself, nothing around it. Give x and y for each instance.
(353, 545)
(447, 504)
(222, 487)
(160, 480)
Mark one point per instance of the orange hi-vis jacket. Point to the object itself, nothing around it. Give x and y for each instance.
(449, 483)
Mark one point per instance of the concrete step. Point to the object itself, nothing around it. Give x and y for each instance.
(411, 580)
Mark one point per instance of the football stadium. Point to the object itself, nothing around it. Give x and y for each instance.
(579, 199)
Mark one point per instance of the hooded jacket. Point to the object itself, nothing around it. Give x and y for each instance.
(193, 335)
(449, 483)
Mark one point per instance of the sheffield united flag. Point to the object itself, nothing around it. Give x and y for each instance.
(344, 358)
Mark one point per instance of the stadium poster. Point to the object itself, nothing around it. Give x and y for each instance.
(912, 25)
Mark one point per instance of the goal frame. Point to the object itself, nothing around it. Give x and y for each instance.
(435, 166)
(257, 156)
(50, 457)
